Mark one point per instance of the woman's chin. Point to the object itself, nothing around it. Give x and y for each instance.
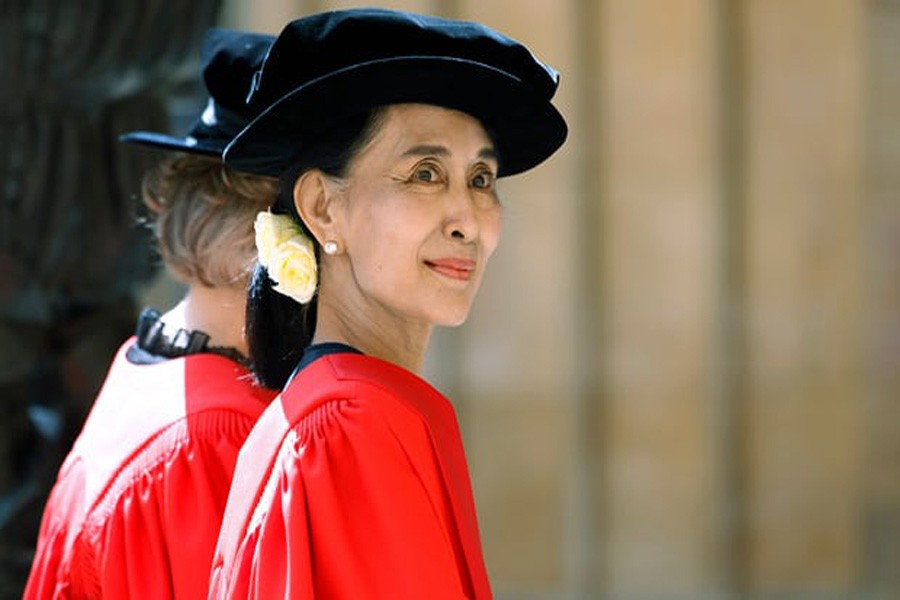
(453, 320)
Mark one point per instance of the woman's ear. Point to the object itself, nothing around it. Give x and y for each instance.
(315, 199)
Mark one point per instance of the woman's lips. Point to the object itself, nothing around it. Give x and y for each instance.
(460, 269)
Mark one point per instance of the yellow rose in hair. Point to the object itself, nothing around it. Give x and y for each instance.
(272, 231)
(293, 268)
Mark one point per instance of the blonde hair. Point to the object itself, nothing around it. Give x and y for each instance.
(204, 215)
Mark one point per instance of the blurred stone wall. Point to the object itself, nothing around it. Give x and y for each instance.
(682, 377)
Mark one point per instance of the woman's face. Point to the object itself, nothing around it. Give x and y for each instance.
(420, 216)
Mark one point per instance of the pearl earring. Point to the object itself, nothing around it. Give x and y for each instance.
(330, 247)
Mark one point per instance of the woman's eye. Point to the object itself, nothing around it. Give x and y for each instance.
(483, 180)
(426, 173)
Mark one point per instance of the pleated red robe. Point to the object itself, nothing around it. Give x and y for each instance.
(137, 505)
(352, 485)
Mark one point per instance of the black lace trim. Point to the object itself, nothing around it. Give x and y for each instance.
(154, 345)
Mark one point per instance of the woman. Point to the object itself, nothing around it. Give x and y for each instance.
(388, 140)
(137, 505)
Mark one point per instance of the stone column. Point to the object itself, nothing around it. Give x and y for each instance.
(803, 226)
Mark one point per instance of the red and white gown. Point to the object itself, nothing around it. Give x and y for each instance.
(137, 505)
(353, 484)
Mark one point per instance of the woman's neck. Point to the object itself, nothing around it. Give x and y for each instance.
(403, 344)
(217, 312)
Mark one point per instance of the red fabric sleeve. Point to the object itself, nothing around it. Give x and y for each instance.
(355, 508)
(156, 539)
(49, 576)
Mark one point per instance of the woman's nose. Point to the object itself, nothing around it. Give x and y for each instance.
(462, 219)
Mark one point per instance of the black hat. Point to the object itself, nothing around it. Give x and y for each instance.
(327, 67)
(229, 59)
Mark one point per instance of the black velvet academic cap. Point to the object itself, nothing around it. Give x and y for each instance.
(327, 67)
(229, 58)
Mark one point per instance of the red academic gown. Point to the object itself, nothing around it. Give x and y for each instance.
(137, 505)
(353, 484)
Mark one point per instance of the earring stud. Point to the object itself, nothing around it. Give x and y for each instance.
(330, 247)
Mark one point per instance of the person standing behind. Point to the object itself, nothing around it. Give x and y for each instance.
(138, 502)
(389, 131)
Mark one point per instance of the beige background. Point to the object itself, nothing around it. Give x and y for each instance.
(682, 377)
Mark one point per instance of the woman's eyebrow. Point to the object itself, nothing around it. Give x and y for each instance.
(427, 150)
(487, 152)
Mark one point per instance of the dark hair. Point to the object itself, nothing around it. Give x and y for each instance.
(278, 327)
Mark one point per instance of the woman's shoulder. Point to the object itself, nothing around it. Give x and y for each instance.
(363, 384)
(216, 383)
(203, 444)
